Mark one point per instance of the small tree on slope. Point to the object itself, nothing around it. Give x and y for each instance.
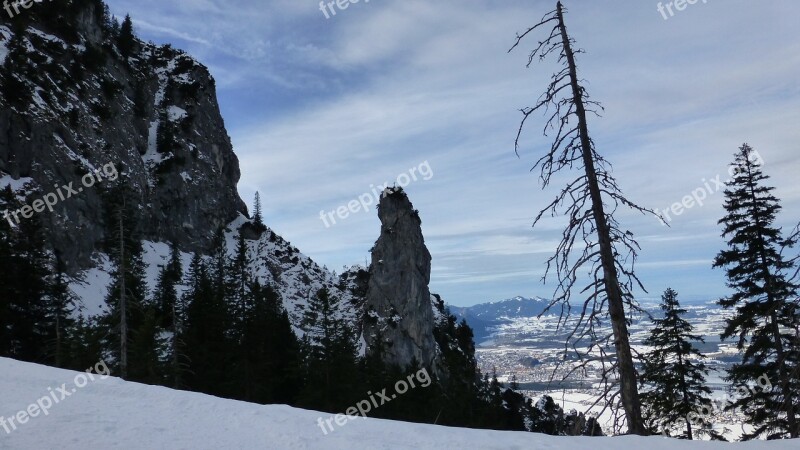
(674, 373)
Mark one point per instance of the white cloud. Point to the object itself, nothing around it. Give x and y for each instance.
(319, 110)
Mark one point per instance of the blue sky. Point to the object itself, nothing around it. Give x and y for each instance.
(322, 110)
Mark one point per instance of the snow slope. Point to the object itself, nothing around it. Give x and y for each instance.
(113, 414)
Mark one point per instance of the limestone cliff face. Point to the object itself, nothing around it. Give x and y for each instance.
(74, 101)
(78, 97)
(398, 301)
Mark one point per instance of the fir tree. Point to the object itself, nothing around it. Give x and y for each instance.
(84, 342)
(205, 332)
(514, 384)
(463, 396)
(126, 40)
(107, 19)
(674, 372)
(171, 311)
(258, 220)
(61, 305)
(329, 348)
(766, 314)
(126, 300)
(27, 292)
(7, 203)
(548, 418)
(269, 350)
(166, 293)
(238, 281)
(13, 72)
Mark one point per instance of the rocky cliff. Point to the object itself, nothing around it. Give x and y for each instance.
(399, 313)
(80, 97)
(77, 98)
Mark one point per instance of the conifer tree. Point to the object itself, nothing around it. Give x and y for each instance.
(258, 220)
(547, 417)
(205, 332)
(13, 72)
(674, 373)
(269, 350)
(238, 281)
(165, 295)
(27, 291)
(218, 268)
(463, 396)
(766, 314)
(85, 344)
(7, 203)
(126, 40)
(240, 302)
(126, 300)
(329, 348)
(61, 305)
(171, 311)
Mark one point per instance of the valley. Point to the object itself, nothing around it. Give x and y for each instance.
(516, 344)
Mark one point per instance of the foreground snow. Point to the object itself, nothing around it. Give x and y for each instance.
(110, 413)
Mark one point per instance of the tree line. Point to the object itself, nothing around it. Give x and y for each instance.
(213, 327)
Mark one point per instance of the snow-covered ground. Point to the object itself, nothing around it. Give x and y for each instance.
(109, 413)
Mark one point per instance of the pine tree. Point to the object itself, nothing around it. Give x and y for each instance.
(463, 392)
(126, 300)
(547, 417)
(218, 268)
(258, 220)
(766, 314)
(205, 332)
(514, 384)
(27, 292)
(8, 203)
(238, 281)
(107, 19)
(171, 311)
(269, 350)
(240, 302)
(13, 72)
(84, 343)
(166, 293)
(674, 372)
(126, 40)
(61, 305)
(329, 348)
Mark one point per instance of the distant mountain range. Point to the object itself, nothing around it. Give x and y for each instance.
(484, 317)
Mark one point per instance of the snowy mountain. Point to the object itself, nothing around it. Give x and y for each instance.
(485, 318)
(75, 103)
(142, 117)
(109, 413)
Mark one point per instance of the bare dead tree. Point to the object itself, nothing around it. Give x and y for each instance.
(593, 239)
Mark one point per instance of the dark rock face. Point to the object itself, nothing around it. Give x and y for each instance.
(398, 303)
(82, 105)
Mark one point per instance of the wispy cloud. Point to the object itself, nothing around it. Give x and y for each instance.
(319, 110)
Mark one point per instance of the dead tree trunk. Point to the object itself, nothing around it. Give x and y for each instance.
(590, 225)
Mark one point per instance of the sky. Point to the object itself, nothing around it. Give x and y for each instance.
(321, 110)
